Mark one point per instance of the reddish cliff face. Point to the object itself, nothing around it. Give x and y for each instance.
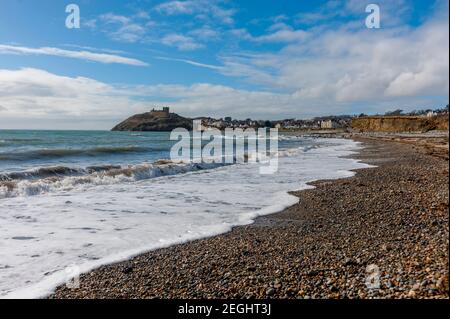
(399, 123)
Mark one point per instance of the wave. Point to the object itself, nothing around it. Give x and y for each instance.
(53, 178)
(21, 140)
(67, 152)
(47, 179)
(24, 278)
(54, 171)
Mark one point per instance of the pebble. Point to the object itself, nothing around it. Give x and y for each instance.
(270, 292)
(285, 256)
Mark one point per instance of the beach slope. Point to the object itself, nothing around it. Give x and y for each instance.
(386, 225)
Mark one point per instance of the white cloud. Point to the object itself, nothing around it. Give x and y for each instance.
(322, 70)
(278, 33)
(209, 10)
(204, 33)
(126, 29)
(204, 20)
(33, 96)
(393, 12)
(143, 15)
(91, 23)
(114, 18)
(83, 55)
(194, 63)
(181, 42)
(283, 35)
(92, 49)
(341, 65)
(139, 28)
(279, 26)
(240, 34)
(129, 33)
(219, 100)
(177, 7)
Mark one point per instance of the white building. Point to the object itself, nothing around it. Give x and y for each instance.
(327, 124)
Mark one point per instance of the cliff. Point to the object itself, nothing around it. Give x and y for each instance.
(154, 121)
(400, 123)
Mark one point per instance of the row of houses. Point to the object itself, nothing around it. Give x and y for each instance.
(287, 124)
(325, 123)
(228, 122)
(316, 123)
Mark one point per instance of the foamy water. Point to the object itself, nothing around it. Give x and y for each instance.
(94, 223)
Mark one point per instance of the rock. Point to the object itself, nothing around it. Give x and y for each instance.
(349, 262)
(127, 270)
(399, 123)
(440, 283)
(251, 268)
(270, 291)
(154, 121)
(291, 292)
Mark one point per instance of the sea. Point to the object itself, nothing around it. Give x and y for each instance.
(71, 201)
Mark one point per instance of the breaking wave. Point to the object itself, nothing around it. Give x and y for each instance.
(44, 180)
(66, 152)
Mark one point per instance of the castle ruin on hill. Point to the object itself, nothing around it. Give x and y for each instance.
(164, 112)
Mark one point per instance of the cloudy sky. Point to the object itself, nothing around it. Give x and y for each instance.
(261, 59)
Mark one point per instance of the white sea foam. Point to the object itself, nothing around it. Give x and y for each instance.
(129, 174)
(43, 180)
(91, 224)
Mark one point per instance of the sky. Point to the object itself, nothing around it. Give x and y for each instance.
(245, 59)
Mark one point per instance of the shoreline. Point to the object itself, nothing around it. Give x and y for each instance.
(278, 200)
(304, 251)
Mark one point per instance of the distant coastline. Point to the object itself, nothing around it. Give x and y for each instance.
(396, 121)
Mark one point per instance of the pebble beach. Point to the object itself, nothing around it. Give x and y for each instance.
(387, 226)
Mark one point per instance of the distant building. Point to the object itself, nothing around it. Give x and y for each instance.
(327, 124)
(431, 114)
(218, 124)
(161, 113)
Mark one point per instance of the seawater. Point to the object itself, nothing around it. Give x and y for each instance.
(78, 200)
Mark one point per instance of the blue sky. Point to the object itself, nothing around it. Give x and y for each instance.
(260, 59)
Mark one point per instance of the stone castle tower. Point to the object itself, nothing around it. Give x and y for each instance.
(161, 113)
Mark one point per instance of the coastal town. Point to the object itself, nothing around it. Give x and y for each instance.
(335, 122)
(331, 122)
(317, 123)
